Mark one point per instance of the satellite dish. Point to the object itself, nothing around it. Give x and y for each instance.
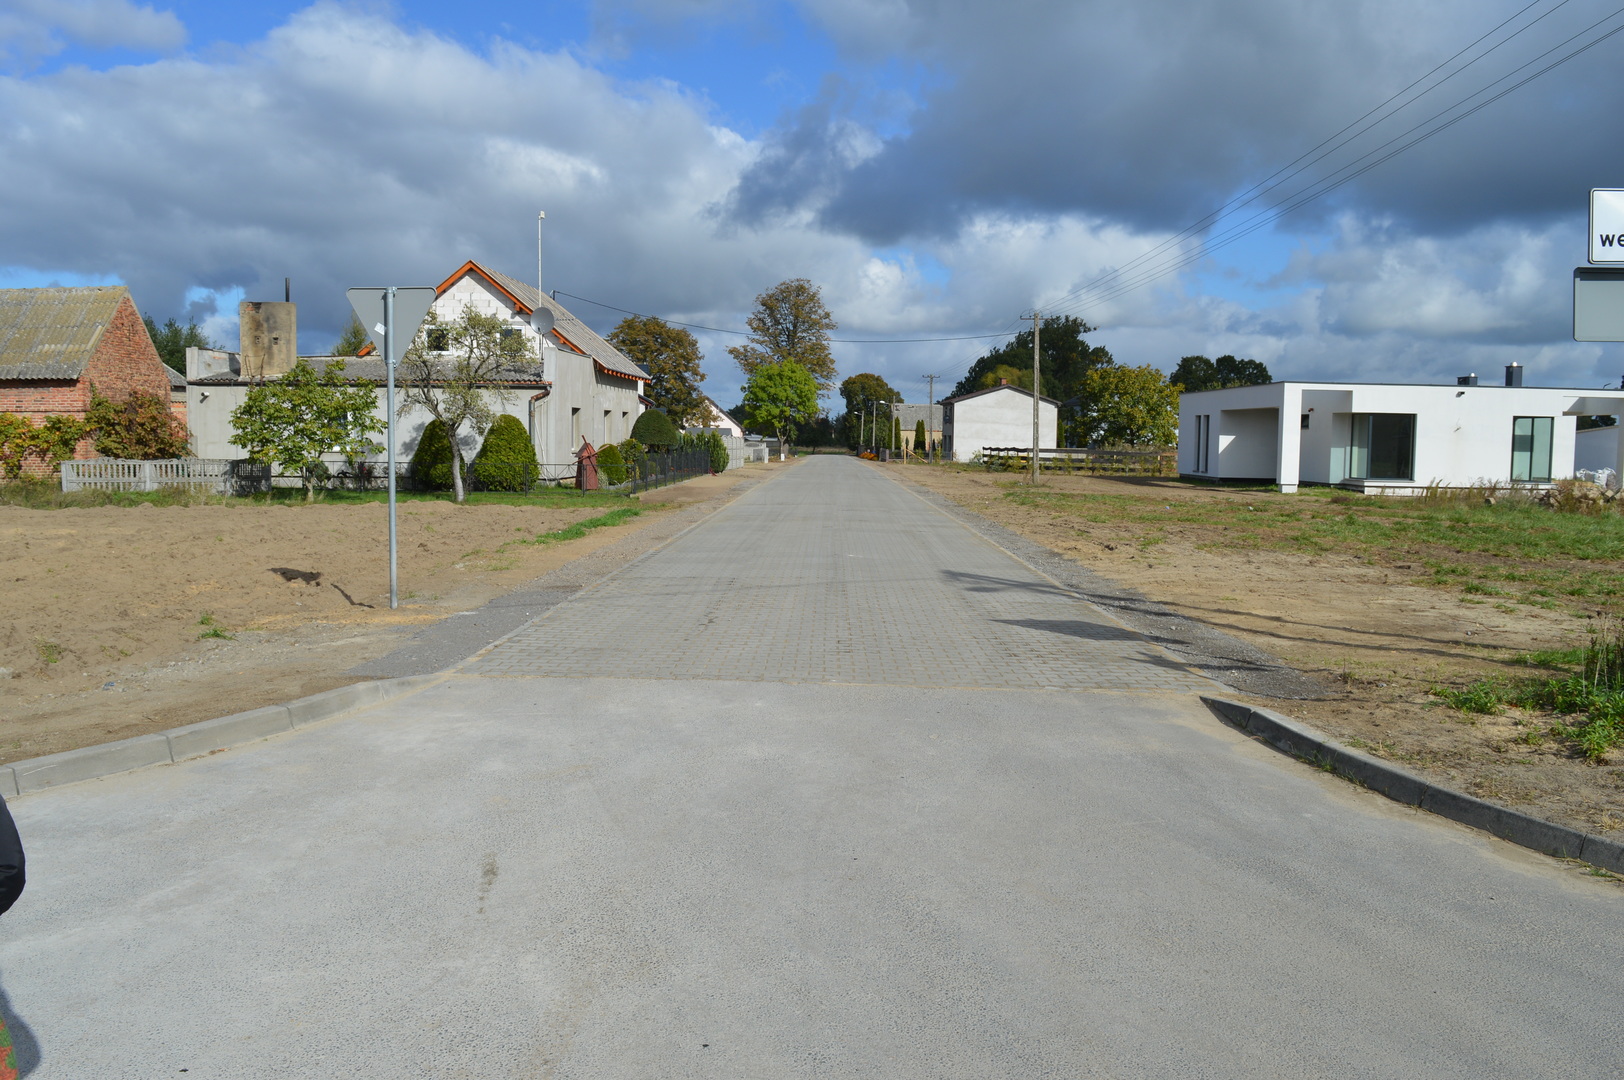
(541, 319)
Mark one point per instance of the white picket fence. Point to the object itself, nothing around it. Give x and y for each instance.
(116, 474)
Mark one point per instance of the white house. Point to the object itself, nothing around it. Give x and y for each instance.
(1386, 437)
(714, 416)
(581, 389)
(997, 416)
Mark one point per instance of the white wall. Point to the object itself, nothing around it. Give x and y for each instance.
(1001, 418)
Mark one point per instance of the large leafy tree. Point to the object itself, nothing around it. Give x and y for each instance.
(671, 357)
(1198, 373)
(1064, 353)
(461, 384)
(790, 324)
(862, 393)
(172, 340)
(782, 397)
(291, 421)
(1134, 405)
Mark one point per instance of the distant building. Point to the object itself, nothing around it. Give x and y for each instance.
(999, 416)
(714, 416)
(55, 344)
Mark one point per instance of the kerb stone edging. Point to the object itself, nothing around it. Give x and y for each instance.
(1302, 741)
(194, 740)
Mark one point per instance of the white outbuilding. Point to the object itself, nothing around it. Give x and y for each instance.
(1387, 437)
(999, 416)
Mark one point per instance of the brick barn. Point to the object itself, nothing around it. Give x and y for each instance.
(56, 343)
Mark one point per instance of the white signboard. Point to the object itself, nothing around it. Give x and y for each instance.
(1606, 225)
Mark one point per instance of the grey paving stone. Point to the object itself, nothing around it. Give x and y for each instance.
(831, 573)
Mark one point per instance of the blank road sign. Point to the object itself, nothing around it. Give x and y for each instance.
(1598, 303)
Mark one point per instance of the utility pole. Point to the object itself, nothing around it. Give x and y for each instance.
(930, 415)
(1037, 323)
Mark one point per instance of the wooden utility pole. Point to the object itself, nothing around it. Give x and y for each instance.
(1037, 323)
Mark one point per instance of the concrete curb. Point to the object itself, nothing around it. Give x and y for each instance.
(1301, 741)
(195, 740)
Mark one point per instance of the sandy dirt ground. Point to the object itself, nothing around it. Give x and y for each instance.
(121, 621)
(1370, 630)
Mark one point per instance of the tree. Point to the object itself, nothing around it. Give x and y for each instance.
(50, 444)
(139, 428)
(1136, 406)
(172, 340)
(293, 420)
(781, 396)
(352, 340)
(896, 434)
(861, 393)
(1065, 356)
(919, 444)
(655, 430)
(790, 324)
(1198, 373)
(671, 356)
(457, 384)
(431, 460)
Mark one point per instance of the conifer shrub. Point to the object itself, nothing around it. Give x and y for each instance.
(611, 465)
(431, 461)
(506, 460)
(919, 438)
(654, 430)
(718, 451)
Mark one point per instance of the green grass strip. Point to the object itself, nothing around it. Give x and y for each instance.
(581, 528)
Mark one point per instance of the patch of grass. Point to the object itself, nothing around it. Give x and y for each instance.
(212, 629)
(581, 528)
(49, 651)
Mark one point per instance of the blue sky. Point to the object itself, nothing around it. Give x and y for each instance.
(935, 167)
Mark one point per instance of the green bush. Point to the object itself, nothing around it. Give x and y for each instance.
(718, 451)
(507, 460)
(431, 461)
(919, 438)
(655, 431)
(611, 466)
(632, 453)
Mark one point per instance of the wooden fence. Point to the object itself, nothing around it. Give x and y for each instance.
(1068, 459)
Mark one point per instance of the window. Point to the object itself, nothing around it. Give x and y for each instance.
(1383, 446)
(1305, 421)
(575, 428)
(1531, 448)
(1203, 438)
(439, 340)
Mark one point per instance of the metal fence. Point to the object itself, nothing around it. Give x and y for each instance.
(1068, 459)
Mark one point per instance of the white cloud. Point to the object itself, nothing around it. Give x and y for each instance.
(33, 29)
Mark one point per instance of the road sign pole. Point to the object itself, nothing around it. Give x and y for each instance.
(389, 403)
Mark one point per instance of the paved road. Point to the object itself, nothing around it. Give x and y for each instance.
(796, 854)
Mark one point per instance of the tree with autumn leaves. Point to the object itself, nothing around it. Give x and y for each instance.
(671, 356)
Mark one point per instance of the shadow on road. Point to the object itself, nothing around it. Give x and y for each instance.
(22, 1036)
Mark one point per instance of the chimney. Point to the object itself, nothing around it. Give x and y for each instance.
(269, 337)
(1513, 374)
(1003, 382)
(1466, 380)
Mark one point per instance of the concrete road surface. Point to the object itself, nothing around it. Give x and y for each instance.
(827, 787)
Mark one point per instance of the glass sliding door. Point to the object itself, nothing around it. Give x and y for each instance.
(1531, 448)
(1382, 447)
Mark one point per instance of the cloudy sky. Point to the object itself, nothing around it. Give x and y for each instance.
(1305, 184)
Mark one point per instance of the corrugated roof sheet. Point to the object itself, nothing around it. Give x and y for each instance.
(51, 333)
(578, 332)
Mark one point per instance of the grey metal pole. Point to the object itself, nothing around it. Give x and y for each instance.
(930, 416)
(1037, 322)
(389, 403)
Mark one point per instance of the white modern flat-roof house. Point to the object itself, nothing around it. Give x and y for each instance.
(1387, 437)
(996, 416)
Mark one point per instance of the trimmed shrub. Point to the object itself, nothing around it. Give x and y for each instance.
(506, 460)
(896, 434)
(611, 466)
(655, 431)
(632, 453)
(718, 451)
(431, 461)
(919, 439)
